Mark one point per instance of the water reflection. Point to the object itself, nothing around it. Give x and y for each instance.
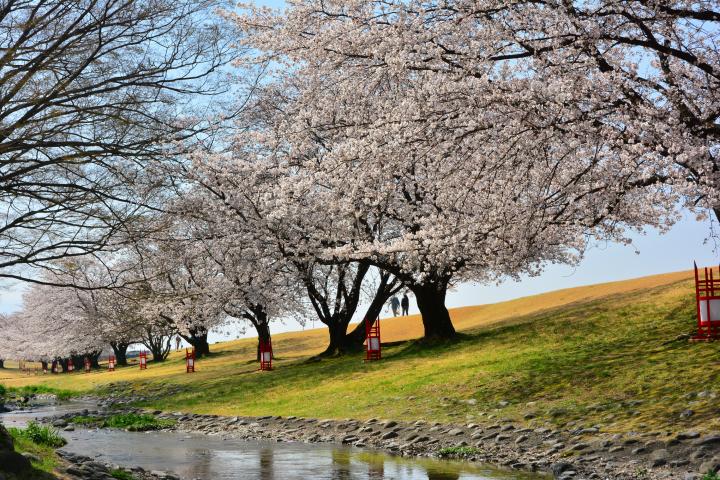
(434, 474)
(266, 464)
(202, 467)
(341, 465)
(376, 469)
(196, 456)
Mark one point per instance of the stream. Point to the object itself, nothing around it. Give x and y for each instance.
(198, 456)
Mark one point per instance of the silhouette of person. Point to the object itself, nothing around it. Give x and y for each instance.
(395, 305)
(405, 304)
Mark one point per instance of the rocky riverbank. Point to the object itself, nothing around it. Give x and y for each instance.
(586, 453)
(79, 467)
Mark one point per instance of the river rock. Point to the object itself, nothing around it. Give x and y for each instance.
(559, 468)
(713, 439)
(658, 458)
(712, 465)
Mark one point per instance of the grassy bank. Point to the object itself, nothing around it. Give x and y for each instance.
(39, 443)
(602, 354)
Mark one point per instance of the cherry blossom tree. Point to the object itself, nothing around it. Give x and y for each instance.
(53, 324)
(643, 76)
(436, 174)
(296, 279)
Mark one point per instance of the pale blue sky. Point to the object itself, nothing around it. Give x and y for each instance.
(675, 251)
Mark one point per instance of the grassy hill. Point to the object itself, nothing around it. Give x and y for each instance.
(602, 354)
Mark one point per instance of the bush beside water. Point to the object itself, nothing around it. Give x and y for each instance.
(43, 435)
(458, 452)
(132, 422)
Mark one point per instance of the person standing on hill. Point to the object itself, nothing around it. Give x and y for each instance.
(405, 304)
(395, 305)
(177, 343)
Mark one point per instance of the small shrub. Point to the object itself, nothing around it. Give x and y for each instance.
(121, 475)
(458, 451)
(40, 435)
(136, 423)
(3, 390)
(711, 476)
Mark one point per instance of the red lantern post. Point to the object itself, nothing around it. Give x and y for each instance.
(87, 365)
(266, 355)
(71, 365)
(143, 360)
(372, 333)
(189, 360)
(707, 300)
(111, 363)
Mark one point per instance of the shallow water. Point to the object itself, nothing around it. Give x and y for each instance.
(197, 456)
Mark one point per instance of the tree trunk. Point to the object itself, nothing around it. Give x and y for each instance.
(95, 359)
(387, 288)
(717, 213)
(263, 331)
(338, 344)
(120, 352)
(63, 363)
(199, 342)
(78, 362)
(355, 339)
(2, 363)
(430, 298)
(44, 365)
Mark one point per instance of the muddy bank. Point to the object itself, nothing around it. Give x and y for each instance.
(580, 454)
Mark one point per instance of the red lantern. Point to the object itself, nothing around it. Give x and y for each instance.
(707, 300)
(71, 365)
(189, 361)
(372, 333)
(111, 363)
(143, 360)
(87, 365)
(266, 355)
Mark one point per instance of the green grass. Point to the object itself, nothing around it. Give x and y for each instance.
(34, 440)
(611, 360)
(46, 454)
(28, 390)
(711, 476)
(458, 452)
(128, 421)
(43, 435)
(122, 475)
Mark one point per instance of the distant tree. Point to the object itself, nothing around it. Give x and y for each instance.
(158, 339)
